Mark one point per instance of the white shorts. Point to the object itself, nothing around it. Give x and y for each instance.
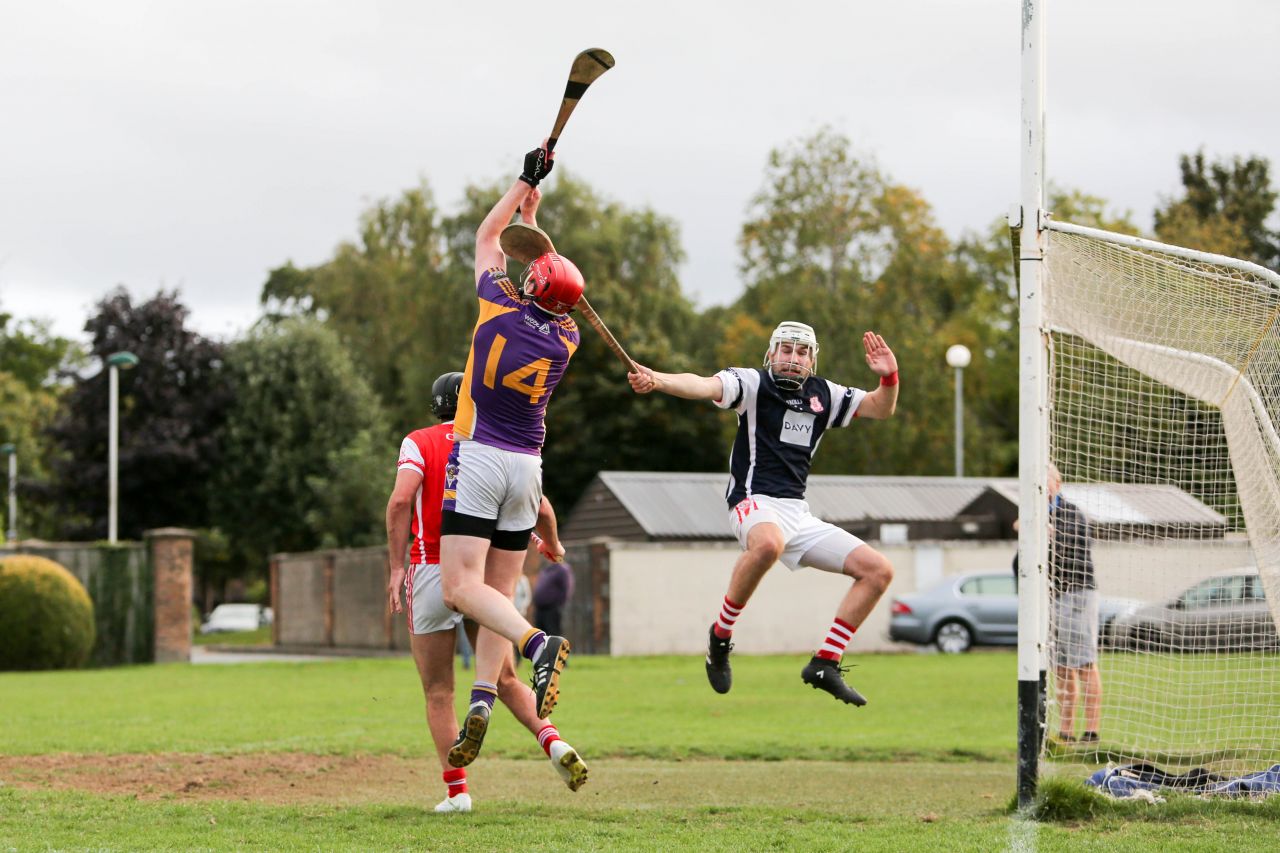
(426, 611)
(492, 483)
(810, 542)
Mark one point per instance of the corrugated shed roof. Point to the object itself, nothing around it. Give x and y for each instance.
(691, 505)
(675, 505)
(1130, 503)
(672, 505)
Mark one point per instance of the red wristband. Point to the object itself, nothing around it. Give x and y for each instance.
(891, 379)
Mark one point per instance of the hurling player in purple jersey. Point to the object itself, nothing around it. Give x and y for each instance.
(521, 345)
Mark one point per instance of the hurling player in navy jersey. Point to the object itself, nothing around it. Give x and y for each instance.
(783, 410)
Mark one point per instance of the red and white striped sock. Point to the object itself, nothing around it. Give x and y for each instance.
(729, 612)
(838, 637)
(456, 779)
(547, 735)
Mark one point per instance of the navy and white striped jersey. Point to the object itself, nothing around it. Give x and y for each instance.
(779, 429)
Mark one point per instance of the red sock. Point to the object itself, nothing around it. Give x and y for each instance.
(838, 637)
(729, 612)
(548, 735)
(456, 779)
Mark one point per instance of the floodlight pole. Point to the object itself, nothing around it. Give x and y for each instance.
(11, 450)
(115, 362)
(958, 356)
(1033, 406)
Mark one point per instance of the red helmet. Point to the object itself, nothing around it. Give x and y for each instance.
(553, 283)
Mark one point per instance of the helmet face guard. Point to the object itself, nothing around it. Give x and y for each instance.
(553, 283)
(786, 372)
(444, 395)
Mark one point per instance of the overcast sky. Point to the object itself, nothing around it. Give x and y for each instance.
(197, 145)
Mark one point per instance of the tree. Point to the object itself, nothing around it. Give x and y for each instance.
(308, 461)
(1224, 208)
(30, 360)
(402, 299)
(1081, 208)
(986, 321)
(393, 298)
(32, 354)
(171, 410)
(831, 241)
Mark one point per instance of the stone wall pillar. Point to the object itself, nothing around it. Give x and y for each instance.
(172, 559)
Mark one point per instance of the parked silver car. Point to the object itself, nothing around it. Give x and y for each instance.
(977, 609)
(1227, 612)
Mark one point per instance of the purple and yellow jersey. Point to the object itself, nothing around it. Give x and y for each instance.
(518, 354)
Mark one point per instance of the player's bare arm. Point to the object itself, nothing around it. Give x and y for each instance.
(489, 252)
(546, 534)
(529, 207)
(690, 386)
(399, 509)
(881, 402)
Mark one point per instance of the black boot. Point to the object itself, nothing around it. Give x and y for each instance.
(824, 674)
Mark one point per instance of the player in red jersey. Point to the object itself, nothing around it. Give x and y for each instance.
(413, 519)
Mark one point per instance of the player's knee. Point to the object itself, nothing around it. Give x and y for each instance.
(509, 684)
(871, 568)
(439, 693)
(450, 599)
(882, 572)
(767, 549)
(453, 593)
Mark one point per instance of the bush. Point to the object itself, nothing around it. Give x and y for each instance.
(46, 617)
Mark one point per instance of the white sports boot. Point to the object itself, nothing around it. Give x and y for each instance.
(570, 766)
(454, 805)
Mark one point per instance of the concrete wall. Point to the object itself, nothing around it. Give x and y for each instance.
(664, 596)
(334, 599)
(636, 598)
(119, 581)
(141, 593)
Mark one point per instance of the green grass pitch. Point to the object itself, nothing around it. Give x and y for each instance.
(927, 765)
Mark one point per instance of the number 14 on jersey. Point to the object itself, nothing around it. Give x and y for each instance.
(534, 389)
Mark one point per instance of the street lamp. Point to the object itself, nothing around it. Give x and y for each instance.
(11, 450)
(116, 362)
(958, 357)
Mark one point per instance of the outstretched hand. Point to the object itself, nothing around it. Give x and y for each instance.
(879, 357)
(643, 380)
(537, 165)
(528, 209)
(551, 551)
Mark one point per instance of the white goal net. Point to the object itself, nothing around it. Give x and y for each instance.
(1164, 397)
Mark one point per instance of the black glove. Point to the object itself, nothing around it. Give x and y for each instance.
(537, 165)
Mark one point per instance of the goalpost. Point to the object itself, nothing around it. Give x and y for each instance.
(1150, 376)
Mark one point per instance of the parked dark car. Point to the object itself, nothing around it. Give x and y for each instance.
(1227, 612)
(977, 609)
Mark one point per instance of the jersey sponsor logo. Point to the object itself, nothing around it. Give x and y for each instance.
(797, 428)
(815, 404)
(795, 403)
(532, 322)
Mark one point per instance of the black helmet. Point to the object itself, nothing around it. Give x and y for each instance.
(444, 395)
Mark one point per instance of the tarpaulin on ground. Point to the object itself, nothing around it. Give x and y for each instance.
(1131, 779)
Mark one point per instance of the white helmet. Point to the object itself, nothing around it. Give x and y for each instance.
(796, 334)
